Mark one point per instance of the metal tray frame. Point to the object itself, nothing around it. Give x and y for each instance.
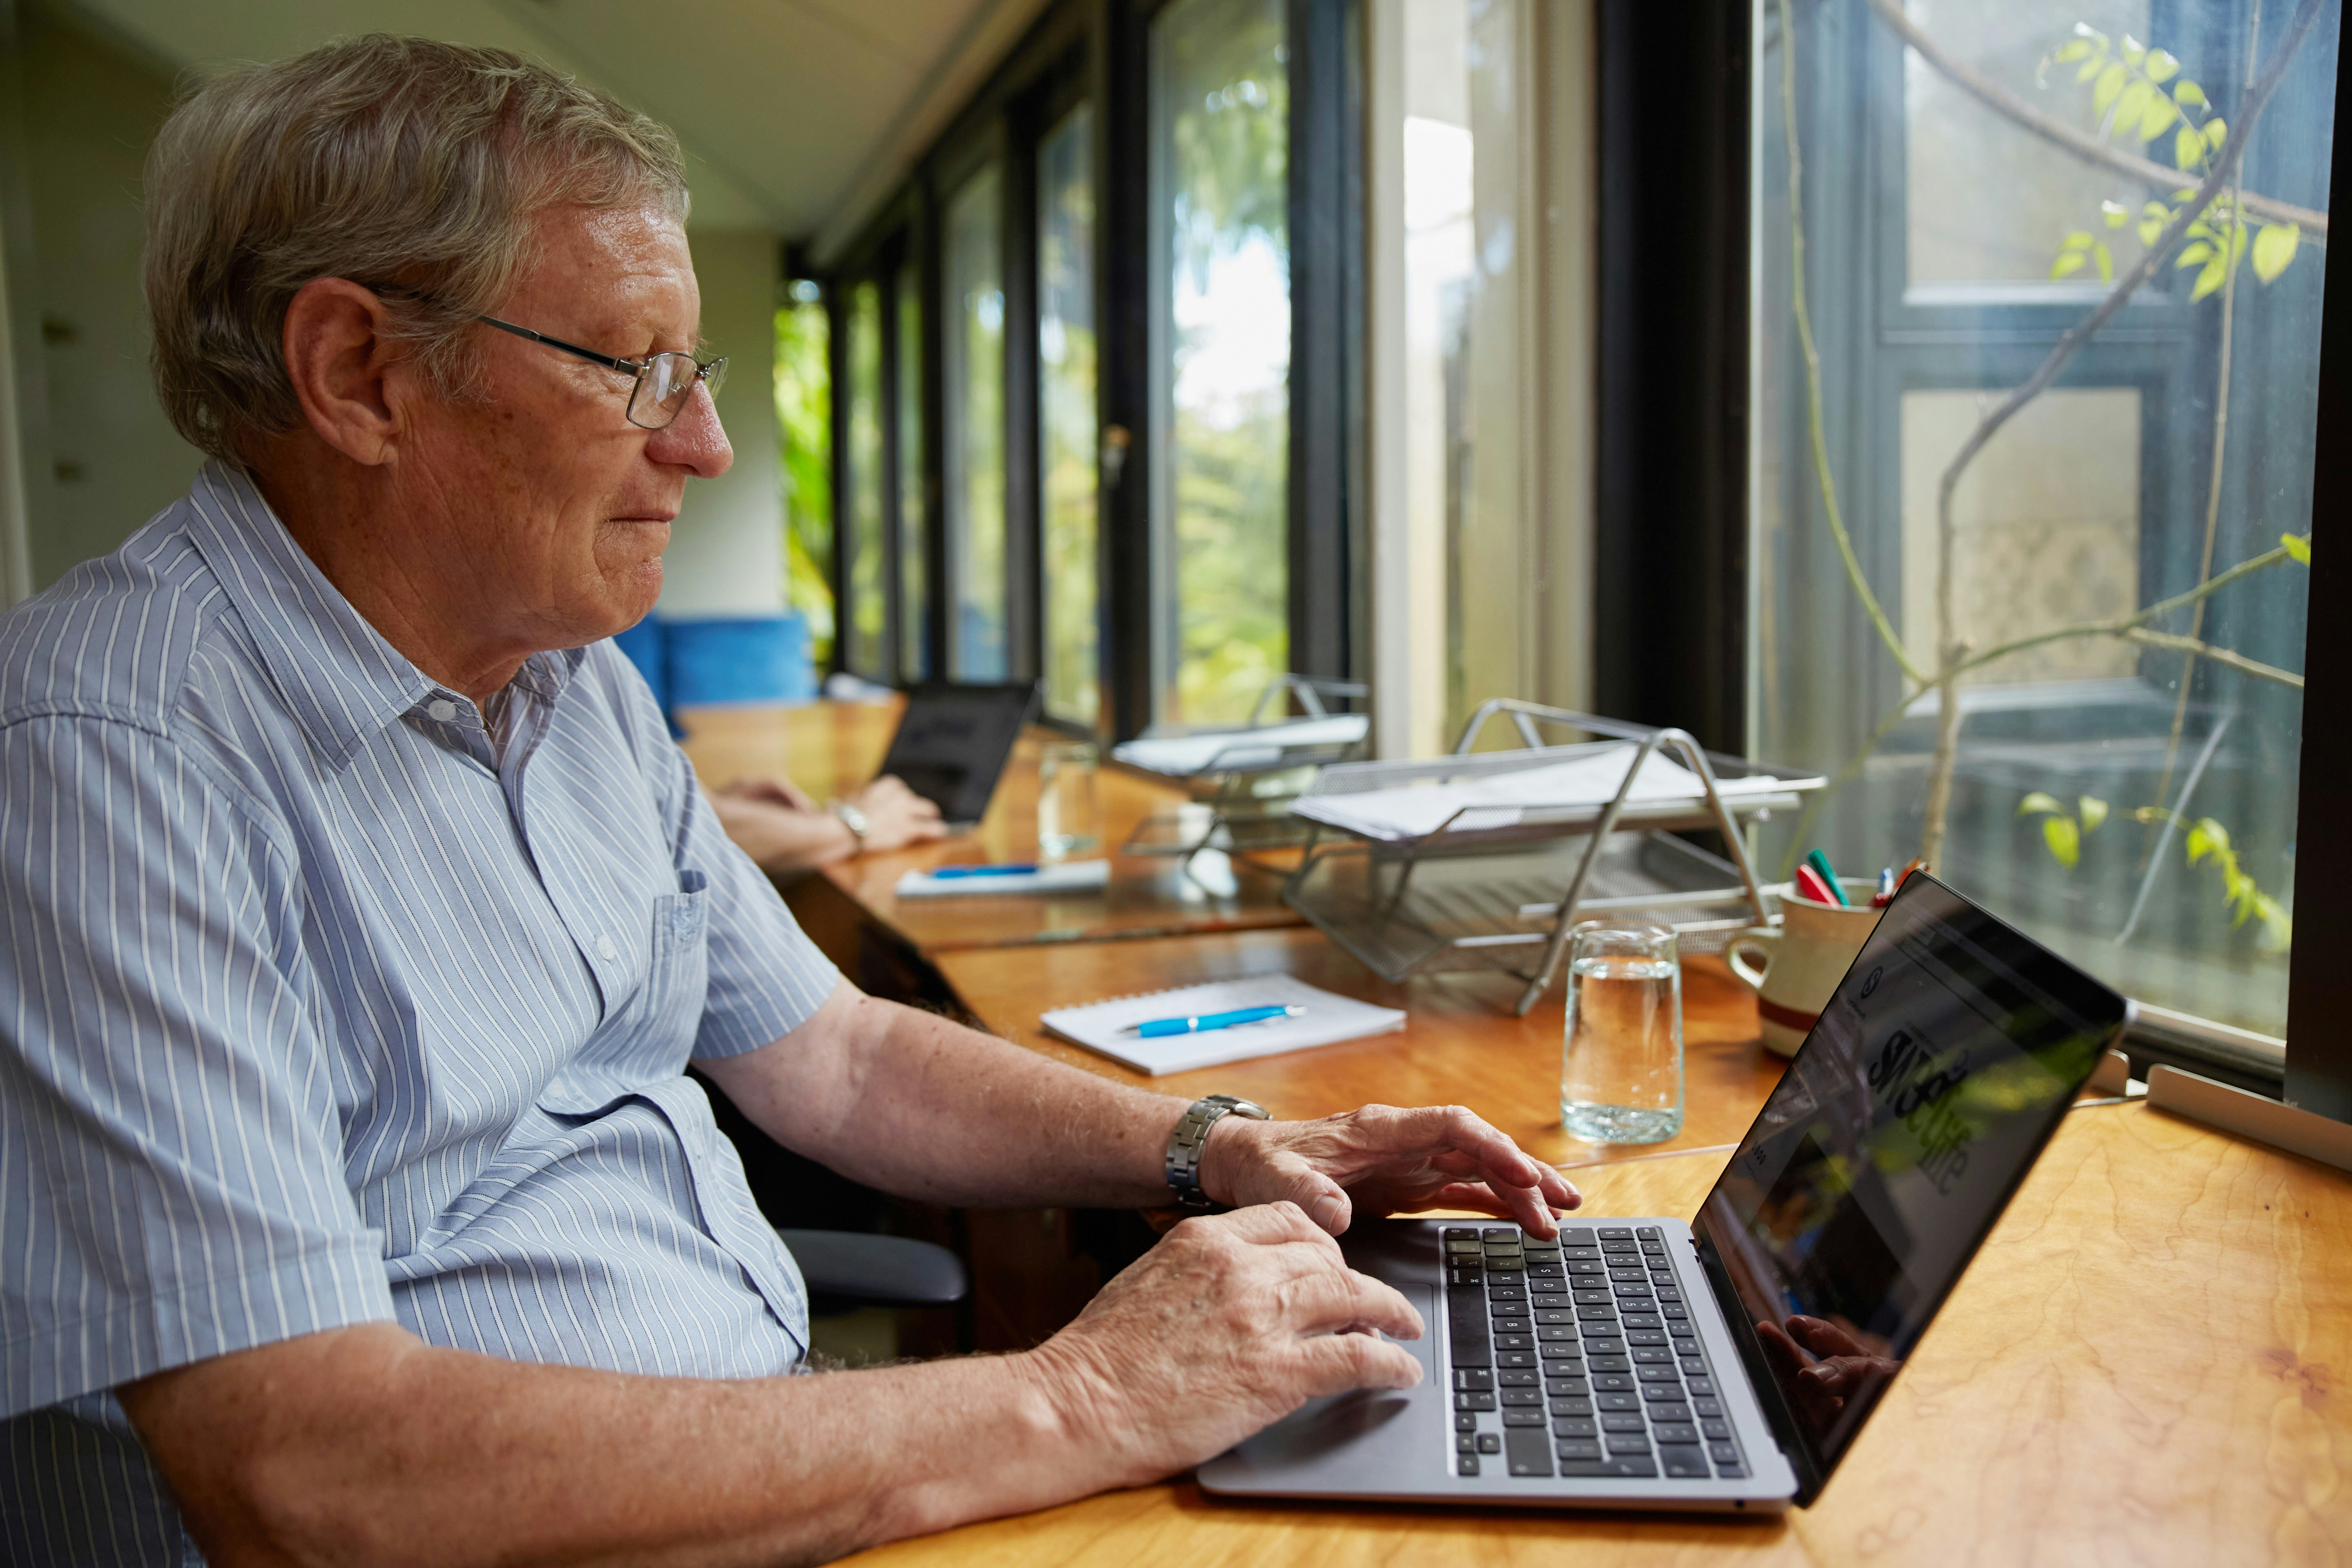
(1484, 915)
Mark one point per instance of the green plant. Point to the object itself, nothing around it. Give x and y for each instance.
(2065, 833)
(805, 436)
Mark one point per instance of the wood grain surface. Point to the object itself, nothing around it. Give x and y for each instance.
(832, 749)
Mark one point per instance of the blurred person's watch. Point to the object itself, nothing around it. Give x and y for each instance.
(1192, 1134)
(853, 819)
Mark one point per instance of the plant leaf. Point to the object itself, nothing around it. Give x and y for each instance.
(2095, 812)
(2069, 262)
(2187, 148)
(2216, 132)
(2298, 546)
(2216, 272)
(2078, 239)
(2115, 212)
(2069, 53)
(2106, 262)
(2132, 105)
(2158, 114)
(2207, 837)
(2188, 94)
(2149, 227)
(2084, 30)
(2038, 800)
(2195, 251)
(2103, 91)
(2066, 840)
(2161, 66)
(2274, 250)
(2201, 229)
(2133, 51)
(2091, 67)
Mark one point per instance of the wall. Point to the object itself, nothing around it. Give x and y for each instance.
(727, 550)
(89, 108)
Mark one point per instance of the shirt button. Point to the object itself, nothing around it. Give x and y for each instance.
(605, 950)
(441, 709)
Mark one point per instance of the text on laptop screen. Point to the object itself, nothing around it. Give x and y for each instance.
(1890, 1146)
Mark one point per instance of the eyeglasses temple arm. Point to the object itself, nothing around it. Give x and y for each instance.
(625, 367)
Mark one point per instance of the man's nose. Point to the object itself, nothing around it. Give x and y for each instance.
(694, 440)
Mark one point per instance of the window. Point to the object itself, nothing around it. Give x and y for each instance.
(2091, 737)
(914, 645)
(1067, 361)
(866, 649)
(1220, 355)
(974, 319)
(804, 426)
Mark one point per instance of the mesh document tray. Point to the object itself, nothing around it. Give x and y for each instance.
(1496, 878)
(1242, 781)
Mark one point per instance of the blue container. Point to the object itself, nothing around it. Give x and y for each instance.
(646, 646)
(762, 658)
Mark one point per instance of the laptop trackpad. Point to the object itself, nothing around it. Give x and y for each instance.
(1348, 1441)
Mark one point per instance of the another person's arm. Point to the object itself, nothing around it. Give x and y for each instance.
(366, 1446)
(782, 829)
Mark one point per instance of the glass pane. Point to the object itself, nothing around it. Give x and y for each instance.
(2094, 739)
(1065, 354)
(1220, 108)
(914, 647)
(1465, 403)
(975, 428)
(867, 603)
(804, 429)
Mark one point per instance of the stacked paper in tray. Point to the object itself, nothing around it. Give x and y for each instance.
(1500, 800)
(1181, 756)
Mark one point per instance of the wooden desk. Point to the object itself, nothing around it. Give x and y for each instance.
(834, 748)
(2145, 1365)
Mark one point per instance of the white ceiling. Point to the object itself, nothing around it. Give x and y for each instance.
(795, 114)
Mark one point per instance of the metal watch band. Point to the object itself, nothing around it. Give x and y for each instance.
(1192, 1134)
(853, 819)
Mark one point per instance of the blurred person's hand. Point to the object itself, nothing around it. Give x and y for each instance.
(1822, 1365)
(896, 816)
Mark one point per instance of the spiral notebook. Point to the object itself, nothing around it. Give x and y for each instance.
(1328, 1020)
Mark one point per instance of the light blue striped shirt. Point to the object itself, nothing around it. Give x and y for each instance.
(317, 1008)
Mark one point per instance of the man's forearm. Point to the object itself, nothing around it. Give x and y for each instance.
(401, 1453)
(915, 1105)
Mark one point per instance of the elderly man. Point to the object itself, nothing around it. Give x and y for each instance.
(359, 921)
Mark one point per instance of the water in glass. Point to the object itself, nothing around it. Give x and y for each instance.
(1622, 1064)
(1069, 817)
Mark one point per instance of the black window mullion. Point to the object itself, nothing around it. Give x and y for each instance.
(1023, 509)
(1123, 321)
(1319, 587)
(885, 280)
(837, 352)
(932, 272)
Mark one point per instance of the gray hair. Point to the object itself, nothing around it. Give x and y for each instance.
(401, 164)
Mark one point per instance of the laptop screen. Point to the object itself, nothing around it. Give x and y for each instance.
(1937, 1072)
(953, 741)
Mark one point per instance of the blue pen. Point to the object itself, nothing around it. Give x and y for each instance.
(954, 873)
(1160, 1029)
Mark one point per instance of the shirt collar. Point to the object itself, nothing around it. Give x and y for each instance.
(340, 679)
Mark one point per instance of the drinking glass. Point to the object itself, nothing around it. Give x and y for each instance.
(1621, 1077)
(1069, 816)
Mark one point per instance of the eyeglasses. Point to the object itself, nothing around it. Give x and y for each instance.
(661, 383)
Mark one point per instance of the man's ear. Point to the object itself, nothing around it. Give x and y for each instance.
(340, 360)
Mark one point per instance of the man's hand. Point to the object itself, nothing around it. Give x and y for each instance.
(896, 816)
(1229, 1323)
(1383, 1161)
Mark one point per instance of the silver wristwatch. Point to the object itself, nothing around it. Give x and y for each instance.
(1192, 1134)
(853, 819)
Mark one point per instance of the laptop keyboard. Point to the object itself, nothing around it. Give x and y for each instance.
(1578, 1358)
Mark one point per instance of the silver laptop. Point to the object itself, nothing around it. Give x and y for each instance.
(1727, 1363)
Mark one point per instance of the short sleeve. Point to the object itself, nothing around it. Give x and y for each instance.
(172, 1182)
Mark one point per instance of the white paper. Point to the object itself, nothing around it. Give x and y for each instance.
(1069, 877)
(1327, 1019)
(1181, 756)
(1500, 800)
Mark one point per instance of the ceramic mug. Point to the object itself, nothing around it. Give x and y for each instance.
(1804, 959)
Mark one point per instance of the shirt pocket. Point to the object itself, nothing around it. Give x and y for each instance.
(651, 1038)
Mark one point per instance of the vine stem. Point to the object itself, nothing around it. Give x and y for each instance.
(1815, 421)
(1951, 657)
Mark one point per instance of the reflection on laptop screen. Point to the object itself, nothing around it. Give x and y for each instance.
(1922, 1096)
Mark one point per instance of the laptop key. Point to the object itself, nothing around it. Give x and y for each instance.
(1477, 1379)
(1514, 1358)
(1523, 1417)
(1631, 1422)
(1675, 1432)
(1465, 1444)
(1467, 1465)
(1571, 1406)
(1615, 1383)
(1526, 1452)
(1553, 1316)
(1490, 1442)
(1614, 1469)
(1555, 1334)
(1607, 1362)
(1474, 1402)
(1624, 1442)
(1602, 1311)
(1716, 1431)
(1465, 1422)
(1601, 1339)
(1505, 1379)
(1723, 1453)
(1658, 1375)
(1522, 1397)
(1568, 1388)
(1707, 1406)
(1702, 1385)
(1575, 1427)
(1515, 1342)
(1605, 1401)
(1578, 1448)
(1653, 1354)
(1676, 1412)
(1684, 1460)
(1670, 1392)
